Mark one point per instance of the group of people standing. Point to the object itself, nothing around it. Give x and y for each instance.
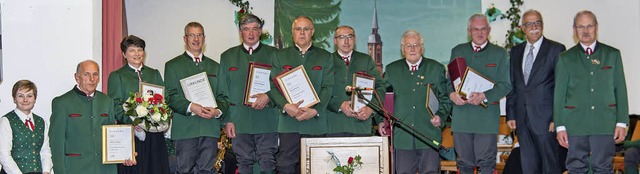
(554, 97)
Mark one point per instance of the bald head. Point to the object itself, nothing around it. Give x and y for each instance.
(87, 76)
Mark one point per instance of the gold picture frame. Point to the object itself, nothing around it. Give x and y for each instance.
(146, 87)
(291, 84)
(318, 155)
(429, 103)
(362, 80)
(118, 143)
(253, 66)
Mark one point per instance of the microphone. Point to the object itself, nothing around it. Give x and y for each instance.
(357, 88)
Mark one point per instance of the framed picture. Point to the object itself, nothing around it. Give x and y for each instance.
(296, 86)
(257, 81)
(362, 80)
(148, 88)
(117, 144)
(322, 155)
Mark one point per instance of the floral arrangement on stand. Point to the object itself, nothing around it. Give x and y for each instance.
(514, 35)
(353, 163)
(265, 37)
(492, 12)
(148, 111)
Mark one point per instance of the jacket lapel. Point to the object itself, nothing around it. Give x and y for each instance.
(540, 60)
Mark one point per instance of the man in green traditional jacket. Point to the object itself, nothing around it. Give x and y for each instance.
(76, 125)
(343, 120)
(590, 109)
(196, 128)
(411, 79)
(474, 127)
(295, 121)
(253, 127)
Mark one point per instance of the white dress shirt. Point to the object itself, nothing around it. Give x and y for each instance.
(6, 145)
(536, 49)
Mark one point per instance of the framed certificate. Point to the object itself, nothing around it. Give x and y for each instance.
(148, 88)
(197, 89)
(117, 144)
(257, 81)
(296, 86)
(361, 80)
(432, 102)
(473, 81)
(322, 155)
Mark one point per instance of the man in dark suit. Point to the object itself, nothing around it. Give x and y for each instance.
(529, 105)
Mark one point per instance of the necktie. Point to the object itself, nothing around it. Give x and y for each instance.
(477, 49)
(528, 64)
(139, 76)
(197, 60)
(29, 124)
(346, 60)
(414, 68)
(250, 50)
(589, 51)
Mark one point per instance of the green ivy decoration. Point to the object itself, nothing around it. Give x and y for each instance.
(514, 35)
(245, 9)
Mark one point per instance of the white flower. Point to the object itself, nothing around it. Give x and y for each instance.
(141, 110)
(156, 117)
(125, 106)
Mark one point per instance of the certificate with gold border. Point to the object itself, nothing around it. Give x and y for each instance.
(473, 81)
(117, 144)
(432, 102)
(364, 81)
(296, 86)
(257, 81)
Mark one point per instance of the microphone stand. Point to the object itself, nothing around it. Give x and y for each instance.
(448, 154)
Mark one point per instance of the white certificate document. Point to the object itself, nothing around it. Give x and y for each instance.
(258, 82)
(197, 89)
(365, 82)
(474, 82)
(117, 143)
(296, 87)
(432, 101)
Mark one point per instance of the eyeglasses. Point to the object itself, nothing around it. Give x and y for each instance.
(305, 29)
(477, 30)
(199, 35)
(531, 24)
(411, 46)
(587, 27)
(343, 37)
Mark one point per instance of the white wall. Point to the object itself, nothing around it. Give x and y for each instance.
(43, 41)
(161, 24)
(618, 24)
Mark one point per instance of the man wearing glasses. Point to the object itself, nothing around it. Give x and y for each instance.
(296, 121)
(529, 109)
(474, 127)
(195, 128)
(590, 109)
(344, 121)
(410, 78)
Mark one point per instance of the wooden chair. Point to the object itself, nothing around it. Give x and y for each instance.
(618, 160)
(447, 141)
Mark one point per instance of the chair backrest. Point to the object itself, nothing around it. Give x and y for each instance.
(636, 132)
(447, 137)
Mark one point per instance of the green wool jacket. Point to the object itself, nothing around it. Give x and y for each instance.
(125, 80)
(590, 92)
(318, 64)
(27, 144)
(234, 69)
(186, 125)
(338, 122)
(410, 96)
(76, 132)
(492, 62)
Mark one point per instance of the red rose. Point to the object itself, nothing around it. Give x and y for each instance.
(350, 161)
(241, 10)
(163, 111)
(139, 100)
(151, 111)
(158, 97)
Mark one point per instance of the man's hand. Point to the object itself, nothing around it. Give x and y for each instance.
(131, 162)
(210, 112)
(619, 135)
(435, 121)
(563, 139)
(455, 97)
(476, 98)
(346, 109)
(364, 113)
(382, 130)
(197, 109)
(551, 127)
(293, 110)
(261, 101)
(511, 124)
(307, 113)
(230, 130)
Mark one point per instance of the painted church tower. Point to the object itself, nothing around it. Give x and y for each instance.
(375, 43)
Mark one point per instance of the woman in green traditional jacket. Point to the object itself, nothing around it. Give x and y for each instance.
(24, 145)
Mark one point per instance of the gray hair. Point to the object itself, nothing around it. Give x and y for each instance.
(411, 33)
(585, 12)
(478, 16)
(531, 12)
(250, 18)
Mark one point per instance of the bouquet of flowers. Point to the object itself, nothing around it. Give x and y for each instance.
(352, 164)
(148, 111)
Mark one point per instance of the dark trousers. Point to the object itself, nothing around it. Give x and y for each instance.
(251, 148)
(288, 156)
(631, 160)
(539, 153)
(196, 155)
(591, 150)
(422, 161)
(476, 150)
